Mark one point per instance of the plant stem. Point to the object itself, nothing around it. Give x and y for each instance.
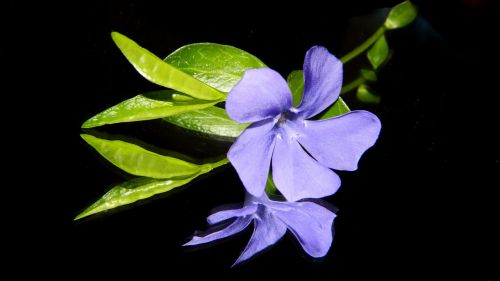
(365, 45)
(220, 163)
(352, 85)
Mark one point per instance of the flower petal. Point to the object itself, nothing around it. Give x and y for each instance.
(227, 214)
(251, 155)
(237, 226)
(297, 175)
(311, 224)
(267, 231)
(262, 93)
(339, 142)
(322, 81)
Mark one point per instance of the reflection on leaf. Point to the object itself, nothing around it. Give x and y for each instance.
(220, 66)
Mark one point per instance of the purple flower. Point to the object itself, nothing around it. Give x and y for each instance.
(309, 222)
(302, 151)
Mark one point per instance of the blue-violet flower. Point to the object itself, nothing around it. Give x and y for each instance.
(309, 222)
(302, 151)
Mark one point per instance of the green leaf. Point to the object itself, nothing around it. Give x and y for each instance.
(220, 66)
(147, 106)
(210, 120)
(131, 191)
(378, 52)
(137, 189)
(401, 15)
(364, 95)
(368, 74)
(295, 82)
(338, 108)
(270, 186)
(162, 73)
(138, 161)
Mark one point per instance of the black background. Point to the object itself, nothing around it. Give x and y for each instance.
(421, 204)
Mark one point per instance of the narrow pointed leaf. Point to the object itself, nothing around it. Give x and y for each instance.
(137, 189)
(162, 73)
(295, 81)
(131, 191)
(147, 106)
(338, 108)
(138, 161)
(401, 15)
(365, 95)
(378, 52)
(210, 121)
(220, 66)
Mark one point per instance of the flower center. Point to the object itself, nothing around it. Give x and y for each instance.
(284, 117)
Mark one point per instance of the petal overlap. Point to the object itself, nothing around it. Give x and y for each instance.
(251, 155)
(260, 94)
(297, 175)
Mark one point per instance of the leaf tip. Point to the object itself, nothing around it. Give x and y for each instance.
(87, 124)
(83, 214)
(86, 137)
(93, 209)
(119, 38)
(115, 34)
(401, 15)
(80, 216)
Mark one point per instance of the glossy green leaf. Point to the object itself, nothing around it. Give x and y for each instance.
(138, 161)
(137, 189)
(210, 120)
(131, 191)
(378, 52)
(365, 95)
(338, 108)
(220, 66)
(162, 73)
(401, 15)
(368, 74)
(295, 82)
(147, 106)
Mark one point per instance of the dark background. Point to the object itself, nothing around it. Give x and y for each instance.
(421, 204)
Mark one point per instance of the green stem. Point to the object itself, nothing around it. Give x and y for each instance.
(220, 163)
(365, 45)
(353, 85)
